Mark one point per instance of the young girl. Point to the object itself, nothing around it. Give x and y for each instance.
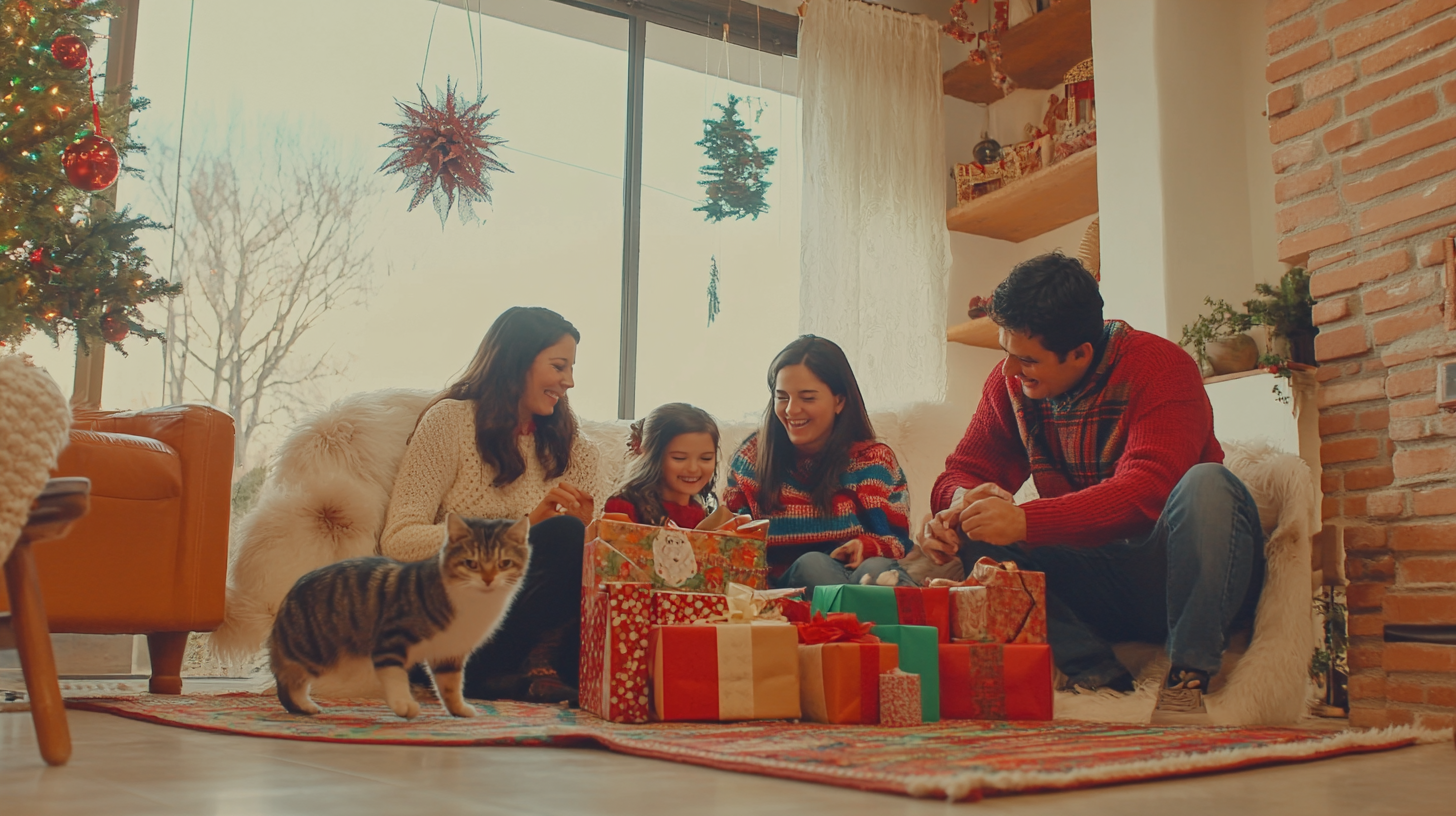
(674, 469)
(835, 498)
(502, 442)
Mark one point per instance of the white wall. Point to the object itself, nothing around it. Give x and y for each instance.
(1184, 172)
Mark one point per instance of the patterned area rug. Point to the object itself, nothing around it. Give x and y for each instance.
(962, 760)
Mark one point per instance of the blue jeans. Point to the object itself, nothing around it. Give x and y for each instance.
(1186, 584)
(818, 569)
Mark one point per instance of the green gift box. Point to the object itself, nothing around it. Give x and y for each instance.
(919, 654)
(871, 604)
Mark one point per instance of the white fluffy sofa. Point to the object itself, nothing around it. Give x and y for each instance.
(325, 497)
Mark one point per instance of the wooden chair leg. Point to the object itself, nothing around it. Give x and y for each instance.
(166, 650)
(37, 661)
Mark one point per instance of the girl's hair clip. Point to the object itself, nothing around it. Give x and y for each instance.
(634, 438)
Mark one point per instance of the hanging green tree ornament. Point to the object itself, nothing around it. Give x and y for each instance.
(714, 306)
(736, 179)
(69, 262)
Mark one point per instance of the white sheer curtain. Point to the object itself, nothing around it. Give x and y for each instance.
(874, 249)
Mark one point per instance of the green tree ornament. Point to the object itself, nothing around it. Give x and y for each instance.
(736, 178)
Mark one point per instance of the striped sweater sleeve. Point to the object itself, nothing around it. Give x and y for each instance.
(883, 500)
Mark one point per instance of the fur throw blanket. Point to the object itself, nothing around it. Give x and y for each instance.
(34, 426)
(325, 498)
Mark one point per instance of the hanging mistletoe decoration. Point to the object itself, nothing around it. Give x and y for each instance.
(736, 179)
(444, 152)
(714, 306)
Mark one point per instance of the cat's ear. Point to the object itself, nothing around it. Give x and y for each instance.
(455, 527)
(521, 530)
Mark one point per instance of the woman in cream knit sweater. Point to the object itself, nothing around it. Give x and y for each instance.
(502, 442)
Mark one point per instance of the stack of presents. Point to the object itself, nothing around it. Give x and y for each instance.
(677, 625)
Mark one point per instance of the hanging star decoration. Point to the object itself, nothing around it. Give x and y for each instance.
(444, 152)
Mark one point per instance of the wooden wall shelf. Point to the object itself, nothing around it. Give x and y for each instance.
(1049, 198)
(1036, 53)
(981, 333)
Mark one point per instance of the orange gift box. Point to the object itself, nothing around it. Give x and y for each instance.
(840, 682)
(731, 671)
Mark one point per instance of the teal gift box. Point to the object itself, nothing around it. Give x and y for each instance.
(919, 654)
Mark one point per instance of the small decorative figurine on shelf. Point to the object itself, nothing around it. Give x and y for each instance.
(1079, 131)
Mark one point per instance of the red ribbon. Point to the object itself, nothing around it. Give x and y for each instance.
(837, 627)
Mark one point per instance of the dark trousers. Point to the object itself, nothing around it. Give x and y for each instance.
(1186, 585)
(546, 610)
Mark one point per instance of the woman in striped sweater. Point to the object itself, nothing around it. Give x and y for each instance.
(835, 498)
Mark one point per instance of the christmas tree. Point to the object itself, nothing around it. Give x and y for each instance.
(736, 180)
(69, 262)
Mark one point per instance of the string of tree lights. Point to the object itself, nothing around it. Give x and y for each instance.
(71, 262)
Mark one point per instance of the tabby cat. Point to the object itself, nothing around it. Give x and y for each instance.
(435, 611)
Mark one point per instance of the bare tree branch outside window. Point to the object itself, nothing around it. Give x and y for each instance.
(269, 241)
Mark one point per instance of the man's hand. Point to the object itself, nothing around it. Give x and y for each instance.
(940, 543)
(994, 521)
(850, 552)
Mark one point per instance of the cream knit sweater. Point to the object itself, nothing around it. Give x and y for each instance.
(442, 472)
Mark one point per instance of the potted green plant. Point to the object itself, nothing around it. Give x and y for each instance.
(1287, 309)
(1218, 340)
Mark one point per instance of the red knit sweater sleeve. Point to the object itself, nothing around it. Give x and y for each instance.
(991, 450)
(1169, 430)
(617, 504)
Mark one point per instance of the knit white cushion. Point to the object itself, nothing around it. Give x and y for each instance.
(34, 421)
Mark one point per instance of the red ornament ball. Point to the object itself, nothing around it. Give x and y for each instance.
(91, 163)
(114, 327)
(69, 51)
(38, 258)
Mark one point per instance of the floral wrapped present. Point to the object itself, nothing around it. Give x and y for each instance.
(899, 699)
(672, 557)
(999, 604)
(995, 681)
(904, 606)
(614, 630)
(918, 655)
(840, 682)
(728, 671)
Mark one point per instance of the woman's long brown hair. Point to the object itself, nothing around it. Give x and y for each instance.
(776, 457)
(495, 381)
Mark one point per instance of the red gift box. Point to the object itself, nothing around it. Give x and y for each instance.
(997, 604)
(925, 606)
(677, 608)
(614, 629)
(730, 671)
(995, 681)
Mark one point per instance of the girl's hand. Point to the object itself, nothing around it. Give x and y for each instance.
(850, 552)
(735, 522)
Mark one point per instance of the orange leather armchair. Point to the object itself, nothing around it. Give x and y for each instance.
(151, 556)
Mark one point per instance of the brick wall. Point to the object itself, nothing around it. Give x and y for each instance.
(1363, 117)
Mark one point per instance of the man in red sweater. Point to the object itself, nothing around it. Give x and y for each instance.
(1142, 532)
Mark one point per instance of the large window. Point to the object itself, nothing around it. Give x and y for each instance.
(680, 356)
(306, 278)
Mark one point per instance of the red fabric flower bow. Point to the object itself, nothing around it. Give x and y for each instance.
(837, 627)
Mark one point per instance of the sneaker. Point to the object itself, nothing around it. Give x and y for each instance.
(1183, 691)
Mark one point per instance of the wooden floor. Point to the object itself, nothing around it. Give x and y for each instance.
(126, 767)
